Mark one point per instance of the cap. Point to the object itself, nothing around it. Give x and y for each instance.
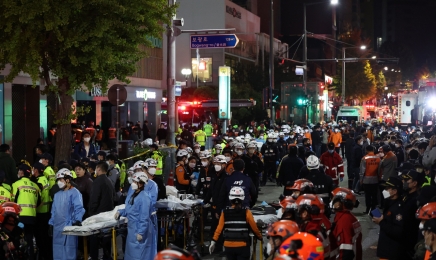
(92, 165)
(47, 156)
(25, 168)
(414, 175)
(39, 166)
(393, 182)
(331, 145)
(430, 225)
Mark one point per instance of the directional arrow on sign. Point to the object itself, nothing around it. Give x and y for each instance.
(210, 41)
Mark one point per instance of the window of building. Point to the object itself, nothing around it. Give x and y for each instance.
(202, 69)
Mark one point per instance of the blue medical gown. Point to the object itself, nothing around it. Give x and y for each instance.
(152, 190)
(140, 222)
(67, 208)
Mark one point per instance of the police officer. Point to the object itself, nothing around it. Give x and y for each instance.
(5, 189)
(46, 160)
(27, 194)
(208, 130)
(157, 156)
(271, 159)
(235, 223)
(200, 137)
(391, 222)
(253, 164)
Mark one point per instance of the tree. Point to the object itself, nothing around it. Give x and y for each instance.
(82, 43)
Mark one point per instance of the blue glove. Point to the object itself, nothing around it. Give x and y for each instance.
(277, 163)
(20, 225)
(341, 178)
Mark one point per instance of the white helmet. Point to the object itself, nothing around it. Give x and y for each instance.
(219, 159)
(150, 162)
(138, 165)
(63, 172)
(130, 170)
(189, 150)
(140, 176)
(204, 155)
(247, 136)
(182, 152)
(238, 146)
(236, 193)
(218, 147)
(312, 162)
(252, 145)
(148, 141)
(239, 139)
(197, 144)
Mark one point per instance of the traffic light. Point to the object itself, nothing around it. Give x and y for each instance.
(301, 101)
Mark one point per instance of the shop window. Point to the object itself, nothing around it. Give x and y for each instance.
(202, 69)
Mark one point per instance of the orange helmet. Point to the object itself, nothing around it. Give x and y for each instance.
(346, 196)
(428, 211)
(303, 185)
(283, 229)
(303, 245)
(286, 201)
(9, 209)
(312, 203)
(175, 253)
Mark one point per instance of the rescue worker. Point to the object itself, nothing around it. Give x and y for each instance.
(288, 210)
(42, 212)
(207, 174)
(307, 247)
(200, 137)
(67, 210)
(99, 135)
(150, 166)
(336, 138)
(5, 189)
(369, 178)
(141, 240)
(157, 156)
(346, 242)
(271, 159)
(356, 162)
(391, 222)
(182, 177)
(289, 168)
(430, 237)
(151, 187)
(423, 214)
(333, 164)
(46, 160)
(175, 253)
(307, 135)
(26, 194)
(112, 136)
(300, 187)
(228, 154)
(253, 164)
(236, 222)
(277, 233)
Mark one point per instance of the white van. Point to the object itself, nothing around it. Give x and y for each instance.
(349, 114)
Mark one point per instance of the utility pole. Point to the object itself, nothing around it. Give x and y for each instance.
(271, 65)
(305, 66)
(171, 78)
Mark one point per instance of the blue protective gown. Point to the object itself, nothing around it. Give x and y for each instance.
(152, 190)
(67, 208)
(140, 222)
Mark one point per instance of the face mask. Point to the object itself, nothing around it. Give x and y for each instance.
(418, 132)
(205, 164)
(192, 165)
(178, 139)
(152, 171)
(128, 124)
(228, 159)
(396, 129)
(421, 226)
(397, 145)
(337, 130)
(218, 151)
(306, 130)
(260, 137)
(61, 185)
(239, 152)
(386, 194)
(40, 161)
(406, 186)
(331, 151)
(382, 154)
(270, 140)
(108, 162)
(251, 130)
(197, 150)
(130, 180)
(217, 168)
(134, 186)
(186, 161)
(86, 139)
(323, 130)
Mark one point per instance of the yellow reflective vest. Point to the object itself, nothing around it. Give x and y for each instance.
(5, 193)
(200, 137)
(156, 155)
(50, 175)
(26, 194)
(208, 129)
(46, 200)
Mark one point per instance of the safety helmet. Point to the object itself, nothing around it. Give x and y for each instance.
(189, 150)
(9, 209)
(236, 193)
(271, 136)
(239, 146)
(283, 229)
(175, 253)
(150, 162)
(204, 155)
(218, 147)
(287, 201)
(219, 159)
(140, 176)
(240, 139)
(62, 173)
(182, 152)
(303, 185)
(428, 211)
(197, 144)
(303, 245)
(130, 170)
(345, 196)
(148, 141)
(312, 203)
(247, 136)
(252, 145)
(138, 165)
(312, 162)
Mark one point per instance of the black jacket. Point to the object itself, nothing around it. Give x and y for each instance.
(102, 195)
(239, 179)
(213, 196)
(349, 144)
(187, 136)
(270, 152)
(84, 185)
(290, 168)
(161, 190)
(411, 229)
(316, 138)
(322, 183)
(391, 230)
(357, 155)
(205, 179)
(399, 152)
(253, 164)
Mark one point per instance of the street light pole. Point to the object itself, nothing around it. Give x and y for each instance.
(271, 65)
(305, 65)
(343, 76)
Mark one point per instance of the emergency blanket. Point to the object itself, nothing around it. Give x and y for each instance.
(266, 219)
(174, 203)
(99, 221)
(171, 190)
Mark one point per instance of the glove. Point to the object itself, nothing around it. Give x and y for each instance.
(194, 183)
(77, 223)
(341, 179)
(138, 237)
(117, 215)
(20, 225)
(192, 176)
(50, 230)
(211, 247)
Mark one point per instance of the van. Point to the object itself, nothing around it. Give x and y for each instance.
(349, 114)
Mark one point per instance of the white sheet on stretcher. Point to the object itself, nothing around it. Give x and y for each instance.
(99, 221)
(267, 219)
(174, 203)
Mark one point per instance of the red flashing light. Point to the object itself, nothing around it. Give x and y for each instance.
(202, 65)
(183, 107)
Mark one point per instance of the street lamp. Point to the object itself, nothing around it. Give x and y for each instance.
(363, 47)
(373, 57)
(386, 68)
(186, 73)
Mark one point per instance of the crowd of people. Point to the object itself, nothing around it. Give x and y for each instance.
(393, 166)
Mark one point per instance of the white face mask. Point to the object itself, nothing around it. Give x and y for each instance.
(192, 165)
(217, 168)
(421, 226)
(386, 194)
(197, 150)
(205, 164)
(61, 185)
(134, 186)
(152, 171)
(306, 130)
(361, 143)
(130, 180)
(382, 154)
(397, 145)
(87, 139)
(251, 130)
(40, 161)
(228, 159)
(239, 152)
(186, 161)
(218, 151)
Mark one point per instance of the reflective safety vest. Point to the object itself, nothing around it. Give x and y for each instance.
(74, 174)
(99, 135)
(91, 131)
(5, 193)
(370, 176)
(46, 200)
(427, 181)
(200, 137)
(28, 193)
(208, 129)
(123, 173)
(236, 227)
(50, 175)
(78, 135)
(158, 157)
(112, 133)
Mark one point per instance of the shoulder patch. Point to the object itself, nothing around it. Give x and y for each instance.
(399, 217)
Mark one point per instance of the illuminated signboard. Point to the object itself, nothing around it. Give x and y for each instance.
(146, 95)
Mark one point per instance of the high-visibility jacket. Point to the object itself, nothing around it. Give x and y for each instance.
(99, 135)
(158, 157)
(427, 181)
(50, 175)
(335, 138)
(308, 136)
(200, 137)
(369, 168)
(46, 200)
(5, 193)
(78, 135)
(26, 194)
(208, 129)
(112, 133)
